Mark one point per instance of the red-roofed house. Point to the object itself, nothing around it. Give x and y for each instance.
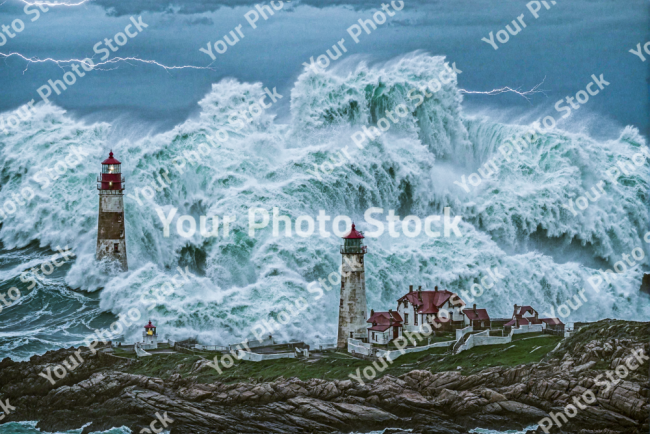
(442, 307)
(523, 315)
(529, 317)
(385, 326)
(477, 318)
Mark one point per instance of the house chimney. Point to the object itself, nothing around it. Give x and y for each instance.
(420, 288)
(372, 312)
(410, 288)
(474, 307)
(516, 308)
(436, 287)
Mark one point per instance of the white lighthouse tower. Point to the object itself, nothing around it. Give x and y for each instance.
(150, 337)
(352, 310)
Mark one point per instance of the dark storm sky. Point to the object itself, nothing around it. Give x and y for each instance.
(564, 46)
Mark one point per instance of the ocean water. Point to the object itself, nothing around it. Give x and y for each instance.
(513, 221)
(30, 428)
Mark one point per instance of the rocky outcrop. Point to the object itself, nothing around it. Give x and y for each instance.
(99, 391)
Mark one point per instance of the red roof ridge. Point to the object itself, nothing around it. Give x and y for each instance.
(354, 234)
(385, 317)
(110, 159)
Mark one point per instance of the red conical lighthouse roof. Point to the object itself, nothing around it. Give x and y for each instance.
(150, 326)
(354, 234)
(110, 159)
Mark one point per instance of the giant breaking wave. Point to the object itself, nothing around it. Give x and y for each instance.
(513, 221)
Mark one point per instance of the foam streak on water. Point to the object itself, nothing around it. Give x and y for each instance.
(30, 428)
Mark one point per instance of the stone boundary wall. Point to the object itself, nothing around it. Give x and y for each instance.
(254, 357)
(356, 346)
(532, 328)
(462, 332)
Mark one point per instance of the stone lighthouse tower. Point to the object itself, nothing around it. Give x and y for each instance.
(111, 242)
(352, 310)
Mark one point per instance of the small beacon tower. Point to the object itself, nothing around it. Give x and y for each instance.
(149, 336)
(111, 242)
(352, 310)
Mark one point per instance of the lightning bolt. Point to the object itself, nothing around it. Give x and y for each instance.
(107, 62)
(507, 89)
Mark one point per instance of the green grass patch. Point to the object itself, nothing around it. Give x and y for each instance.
(121, 353)
(338, 365)
(425, 341)
(330, 365)
(518, 352)
(163, 365)
(527, 336)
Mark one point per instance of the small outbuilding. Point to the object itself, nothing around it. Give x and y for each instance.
(385, 327)
(477, 318)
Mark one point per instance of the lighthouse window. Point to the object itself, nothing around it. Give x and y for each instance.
(341, 302)
(117, 247)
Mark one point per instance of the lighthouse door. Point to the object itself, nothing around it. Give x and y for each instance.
(395, 332)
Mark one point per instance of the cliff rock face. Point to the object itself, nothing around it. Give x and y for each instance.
(98, 391)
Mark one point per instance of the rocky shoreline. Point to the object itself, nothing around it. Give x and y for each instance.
(101, 391)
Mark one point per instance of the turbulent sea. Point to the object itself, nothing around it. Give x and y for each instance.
(513, 221)
(30, 428)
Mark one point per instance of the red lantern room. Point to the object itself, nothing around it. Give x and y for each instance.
(150, 337)
(111, 181)
(150, 329)
(352, 243)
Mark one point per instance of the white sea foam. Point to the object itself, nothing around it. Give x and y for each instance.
(30, 428)
(411, 169)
